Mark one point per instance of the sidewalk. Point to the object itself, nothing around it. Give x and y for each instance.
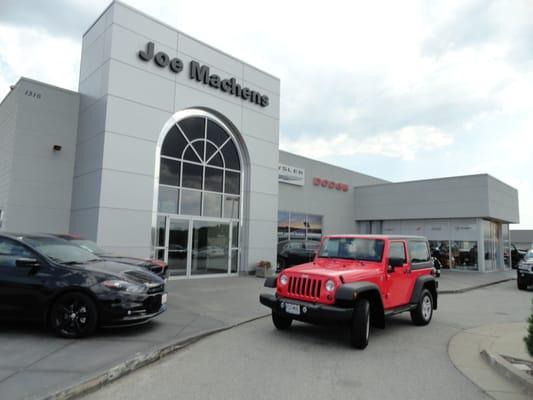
(494, 357)
(37, 365)
(452, 281)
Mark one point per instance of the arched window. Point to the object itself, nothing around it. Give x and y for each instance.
(200, 170)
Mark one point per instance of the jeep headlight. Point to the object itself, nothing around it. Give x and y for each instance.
(330, 285)
(283, 280)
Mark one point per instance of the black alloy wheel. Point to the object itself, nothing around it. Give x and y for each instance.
(74, 315)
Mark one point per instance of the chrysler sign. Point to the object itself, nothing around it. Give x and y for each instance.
(291, 175)
(202, 74)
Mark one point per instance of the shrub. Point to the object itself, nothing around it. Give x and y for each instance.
(529, 338)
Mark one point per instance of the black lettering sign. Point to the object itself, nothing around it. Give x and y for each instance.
(202, 73)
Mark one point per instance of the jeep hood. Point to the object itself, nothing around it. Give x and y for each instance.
(349, 270)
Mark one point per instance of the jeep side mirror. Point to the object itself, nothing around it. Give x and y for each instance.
(27, 263)
(395, 263)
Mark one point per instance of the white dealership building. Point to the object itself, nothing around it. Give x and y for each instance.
(169, 149)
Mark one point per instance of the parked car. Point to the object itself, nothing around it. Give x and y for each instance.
(48, 279)
(357, 280)
(516, 256)
(437, 265)
(209, 252)
(524, 271)
(294, 252)
(158, 267)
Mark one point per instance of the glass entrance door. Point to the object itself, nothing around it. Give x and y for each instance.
(195, 247)
(210, 248)
(178, 245)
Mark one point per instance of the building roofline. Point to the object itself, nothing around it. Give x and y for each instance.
(440, 179)
(36, 82)
(336, 166)
(176, 30)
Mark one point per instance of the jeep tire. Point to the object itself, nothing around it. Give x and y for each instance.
(281, 322)
(423, 312)
(360, 326)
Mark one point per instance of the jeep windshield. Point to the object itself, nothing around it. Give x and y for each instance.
(353, 249)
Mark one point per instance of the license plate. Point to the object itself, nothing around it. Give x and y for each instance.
(164, 298)
(292, 308)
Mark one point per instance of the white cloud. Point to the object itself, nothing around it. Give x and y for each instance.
(404, 143)
(35, 54)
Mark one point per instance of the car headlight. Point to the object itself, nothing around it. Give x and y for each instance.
(124, 286)
(330, 285)
(283, 280)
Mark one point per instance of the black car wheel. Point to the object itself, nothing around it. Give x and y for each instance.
(74, 315)
(281, 322)
(520, 283)
(360, 329)
(422, 314)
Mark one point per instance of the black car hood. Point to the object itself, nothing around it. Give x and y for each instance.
(126, 260)
(122, 271)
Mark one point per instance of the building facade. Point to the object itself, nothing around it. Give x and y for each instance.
(169, 149)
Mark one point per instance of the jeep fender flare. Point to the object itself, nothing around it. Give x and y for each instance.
(348, 293)
(424, 282)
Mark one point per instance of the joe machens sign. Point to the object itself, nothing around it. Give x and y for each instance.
(202, 74)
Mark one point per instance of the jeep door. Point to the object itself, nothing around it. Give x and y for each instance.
(398, 284)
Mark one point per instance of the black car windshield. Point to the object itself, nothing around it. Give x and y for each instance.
(91, 246)
(60, 250)
(353, 249)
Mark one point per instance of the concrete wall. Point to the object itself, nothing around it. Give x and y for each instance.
(125, 103)
(40, 185)
(8, 117)
(456, 197)
(335, 206)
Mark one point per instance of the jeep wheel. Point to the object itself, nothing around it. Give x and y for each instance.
(280, 322)
(422, 314)
(521, 284)
(360, 329)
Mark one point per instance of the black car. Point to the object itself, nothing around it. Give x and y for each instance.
(524, 272)
(516, 256)
(158, 267)
(295, 252)
(44, 278)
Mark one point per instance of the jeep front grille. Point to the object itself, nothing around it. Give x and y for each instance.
(305, 287)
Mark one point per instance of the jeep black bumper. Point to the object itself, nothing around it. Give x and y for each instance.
(308, 312)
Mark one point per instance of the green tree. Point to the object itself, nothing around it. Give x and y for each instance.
(529, 338)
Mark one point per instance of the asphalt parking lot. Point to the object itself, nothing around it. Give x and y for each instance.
(35, 363)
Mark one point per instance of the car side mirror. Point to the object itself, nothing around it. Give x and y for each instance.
(27, 263)
(395, 263)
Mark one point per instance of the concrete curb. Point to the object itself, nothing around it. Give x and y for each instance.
(506, 369)
(468, 289)
(132, 364)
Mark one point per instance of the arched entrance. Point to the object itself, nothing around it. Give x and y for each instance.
(198, 196)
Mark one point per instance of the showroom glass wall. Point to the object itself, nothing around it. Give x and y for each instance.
(295, 225)
(470, 244)
(199, 197)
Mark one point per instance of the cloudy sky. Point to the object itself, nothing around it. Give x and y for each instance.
(401, 90)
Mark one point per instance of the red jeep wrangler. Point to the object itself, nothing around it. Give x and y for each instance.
(357, 280)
